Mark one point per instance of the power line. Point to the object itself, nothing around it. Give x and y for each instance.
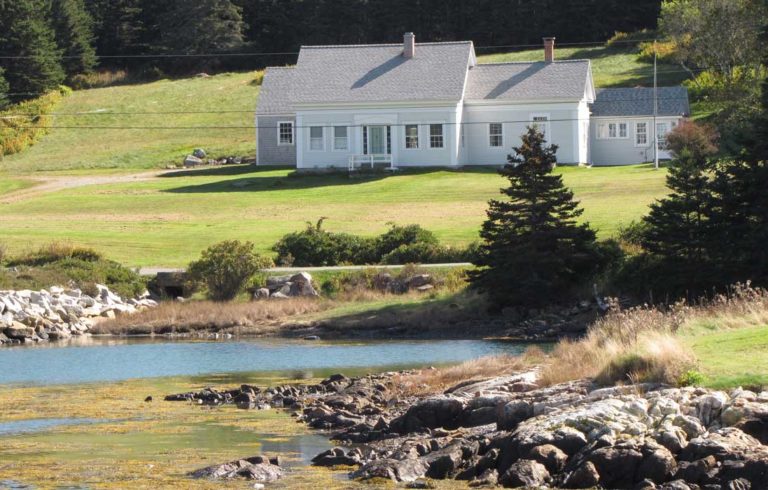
(294, 53)
(251, 127)
(163, 113)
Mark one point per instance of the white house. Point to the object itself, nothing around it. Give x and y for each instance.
(421, 105)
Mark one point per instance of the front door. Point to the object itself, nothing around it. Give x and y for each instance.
(377, 140)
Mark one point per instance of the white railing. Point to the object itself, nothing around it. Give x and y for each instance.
(358, 161)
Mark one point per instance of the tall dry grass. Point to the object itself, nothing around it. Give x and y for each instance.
(432, 381)
(259, 317)
(643, 344)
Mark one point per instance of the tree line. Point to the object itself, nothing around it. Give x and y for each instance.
(48, 42)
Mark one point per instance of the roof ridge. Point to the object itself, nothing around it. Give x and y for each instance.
(556, 62)
(383, 45)
(280, 68)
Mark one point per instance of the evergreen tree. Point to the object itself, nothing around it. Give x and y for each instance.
(4, 89)
(26, 34)
(119, 26)
(74, 33)
(201, 26)
(534, 250)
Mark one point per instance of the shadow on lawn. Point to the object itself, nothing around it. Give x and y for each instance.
(293, 181)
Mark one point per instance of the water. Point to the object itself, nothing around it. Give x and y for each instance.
(109, 359)
(40, 425)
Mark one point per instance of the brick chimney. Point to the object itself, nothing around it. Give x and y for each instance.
(549, 49)
(409, 45)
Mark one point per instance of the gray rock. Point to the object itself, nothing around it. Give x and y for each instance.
(616, 465)
(550, 456)
(525, 473)
(192, 161)
(199, 153)
(585, 476)
(514, 412)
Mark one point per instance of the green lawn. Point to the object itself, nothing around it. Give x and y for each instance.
(730, 358)
(10, 185)
(611, 67)
(169, 220)
(78, 146)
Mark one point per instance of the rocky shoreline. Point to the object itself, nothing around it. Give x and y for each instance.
(508, 431)
(59, 313)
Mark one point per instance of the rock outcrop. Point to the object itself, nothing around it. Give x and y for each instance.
(257, 469)
(58, 313)
(508, 431)
(282, 287)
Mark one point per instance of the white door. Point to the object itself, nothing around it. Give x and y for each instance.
(662, 129)
(377, 140)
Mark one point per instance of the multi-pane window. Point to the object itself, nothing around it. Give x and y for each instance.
(436, 138)
(412, 136)
(612, 130)
(496, 133)
(641, 134)
(285, 133)
(340, 138)
(541, 122)
(316, 138)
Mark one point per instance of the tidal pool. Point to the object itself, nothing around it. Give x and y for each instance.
(75, 416)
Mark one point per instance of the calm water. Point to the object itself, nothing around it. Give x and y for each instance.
(109, 359)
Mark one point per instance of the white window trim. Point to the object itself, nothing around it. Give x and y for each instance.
(333, 139)
(429, 136)
(548, 132)
(419, 138)
(309, 138)
(647, 135)
(618, 130)
(503, 137)
(293, 133)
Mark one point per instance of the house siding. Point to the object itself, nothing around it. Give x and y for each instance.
(396, 118)
(268, 151)
(609, 152)
(563, 131)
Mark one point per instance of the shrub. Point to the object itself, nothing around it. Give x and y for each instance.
(100, 79)
(399, 236)
(315, 247)
(226, 268)
(622, 39)
(27, 122)
(665, 50)
(258, 78)
(691, 378)
(3, 253)
(55, 252)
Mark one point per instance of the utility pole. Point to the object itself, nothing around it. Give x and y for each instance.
(655, 107)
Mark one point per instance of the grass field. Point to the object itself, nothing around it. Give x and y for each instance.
(611, 67)
(168, 220)
(732, 357)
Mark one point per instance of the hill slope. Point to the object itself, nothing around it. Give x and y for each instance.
(78, 146)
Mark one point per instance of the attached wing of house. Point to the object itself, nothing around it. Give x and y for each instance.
(420, 105)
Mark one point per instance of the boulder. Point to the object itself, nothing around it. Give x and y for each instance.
(438, 412)
(550, 456)
(192, 161)
(616, 465)
(658, 465)
(514, 412)
(585, 476)
(525, 473)
(19, 331)
(199, 153)
(421, 280)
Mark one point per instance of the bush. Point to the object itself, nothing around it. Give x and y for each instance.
(399, 236)
(27, 121)
(665, 50)
(315, 247)
(623, 39)
(55, 252)
(226, 268)
(691, 378)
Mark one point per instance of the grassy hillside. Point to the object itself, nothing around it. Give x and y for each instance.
(611, 67)
(167, 221)
(79, 146)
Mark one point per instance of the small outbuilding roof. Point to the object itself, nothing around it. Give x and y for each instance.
(541, 80)
(628, 102)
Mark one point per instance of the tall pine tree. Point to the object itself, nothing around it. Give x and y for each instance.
(201, 26)
(74, 34)
(25, 33)
(534, 251)
(678, 226)
(4, 89)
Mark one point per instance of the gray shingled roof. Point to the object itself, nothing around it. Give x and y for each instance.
(616, 102)
(276, 90)
(529, 81)
(371, 73)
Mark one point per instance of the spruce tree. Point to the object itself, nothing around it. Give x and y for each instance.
(26, 34)
(4, 89)
(201, 26)
(534, 251)
(74, 34)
